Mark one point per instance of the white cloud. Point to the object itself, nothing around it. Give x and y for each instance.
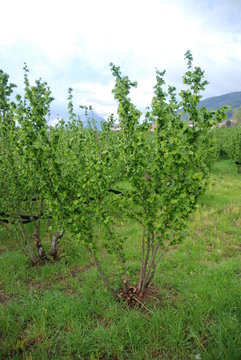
(97, 95)
(102, 99)
(64, 29)
(137, 35)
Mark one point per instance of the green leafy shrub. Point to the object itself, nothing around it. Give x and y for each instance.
(228, 140)
(75, 173)
(168, 174)
(24, 149)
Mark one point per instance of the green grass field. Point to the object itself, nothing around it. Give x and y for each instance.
(62, 310)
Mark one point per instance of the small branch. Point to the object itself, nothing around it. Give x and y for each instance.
(160, 256)
(150, 265)
(103, 275)
(155, 265)
(27, 242)
(21, 247)
(5, 218)
(24, 218)
(142, 304)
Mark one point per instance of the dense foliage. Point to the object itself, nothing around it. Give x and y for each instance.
(24, 147)
(237, 115)
(90, 181)
(228, 141)
(167, 175)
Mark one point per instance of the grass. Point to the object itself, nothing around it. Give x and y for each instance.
(62, 311)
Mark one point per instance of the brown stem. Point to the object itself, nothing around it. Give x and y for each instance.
(103, 275)
(142, 260)
(36, 236)
(146, 262)
(37, 242)
(152, 263)
(136, 299)
(149, 279)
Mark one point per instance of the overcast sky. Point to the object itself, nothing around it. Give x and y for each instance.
(70, 43)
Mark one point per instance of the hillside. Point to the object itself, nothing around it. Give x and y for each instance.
(213, 103)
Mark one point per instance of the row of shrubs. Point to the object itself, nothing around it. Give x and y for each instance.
(228, 141)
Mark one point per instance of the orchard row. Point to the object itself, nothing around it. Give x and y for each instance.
(67, 179)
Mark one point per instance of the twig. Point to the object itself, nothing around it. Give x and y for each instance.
(142, 304)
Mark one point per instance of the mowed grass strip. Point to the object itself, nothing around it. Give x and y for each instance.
(62, 310)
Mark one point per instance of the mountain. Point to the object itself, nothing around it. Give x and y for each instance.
(60, 111)
(213, 103)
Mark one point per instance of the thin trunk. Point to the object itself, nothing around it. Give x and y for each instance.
(103, 275)
(146, 262)
(152, 262)
(37, 242)
(54, 244)
(125, 270)
(36, 236)
(152, 241)
(27, 243)
(151, 275)
(142, 261)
